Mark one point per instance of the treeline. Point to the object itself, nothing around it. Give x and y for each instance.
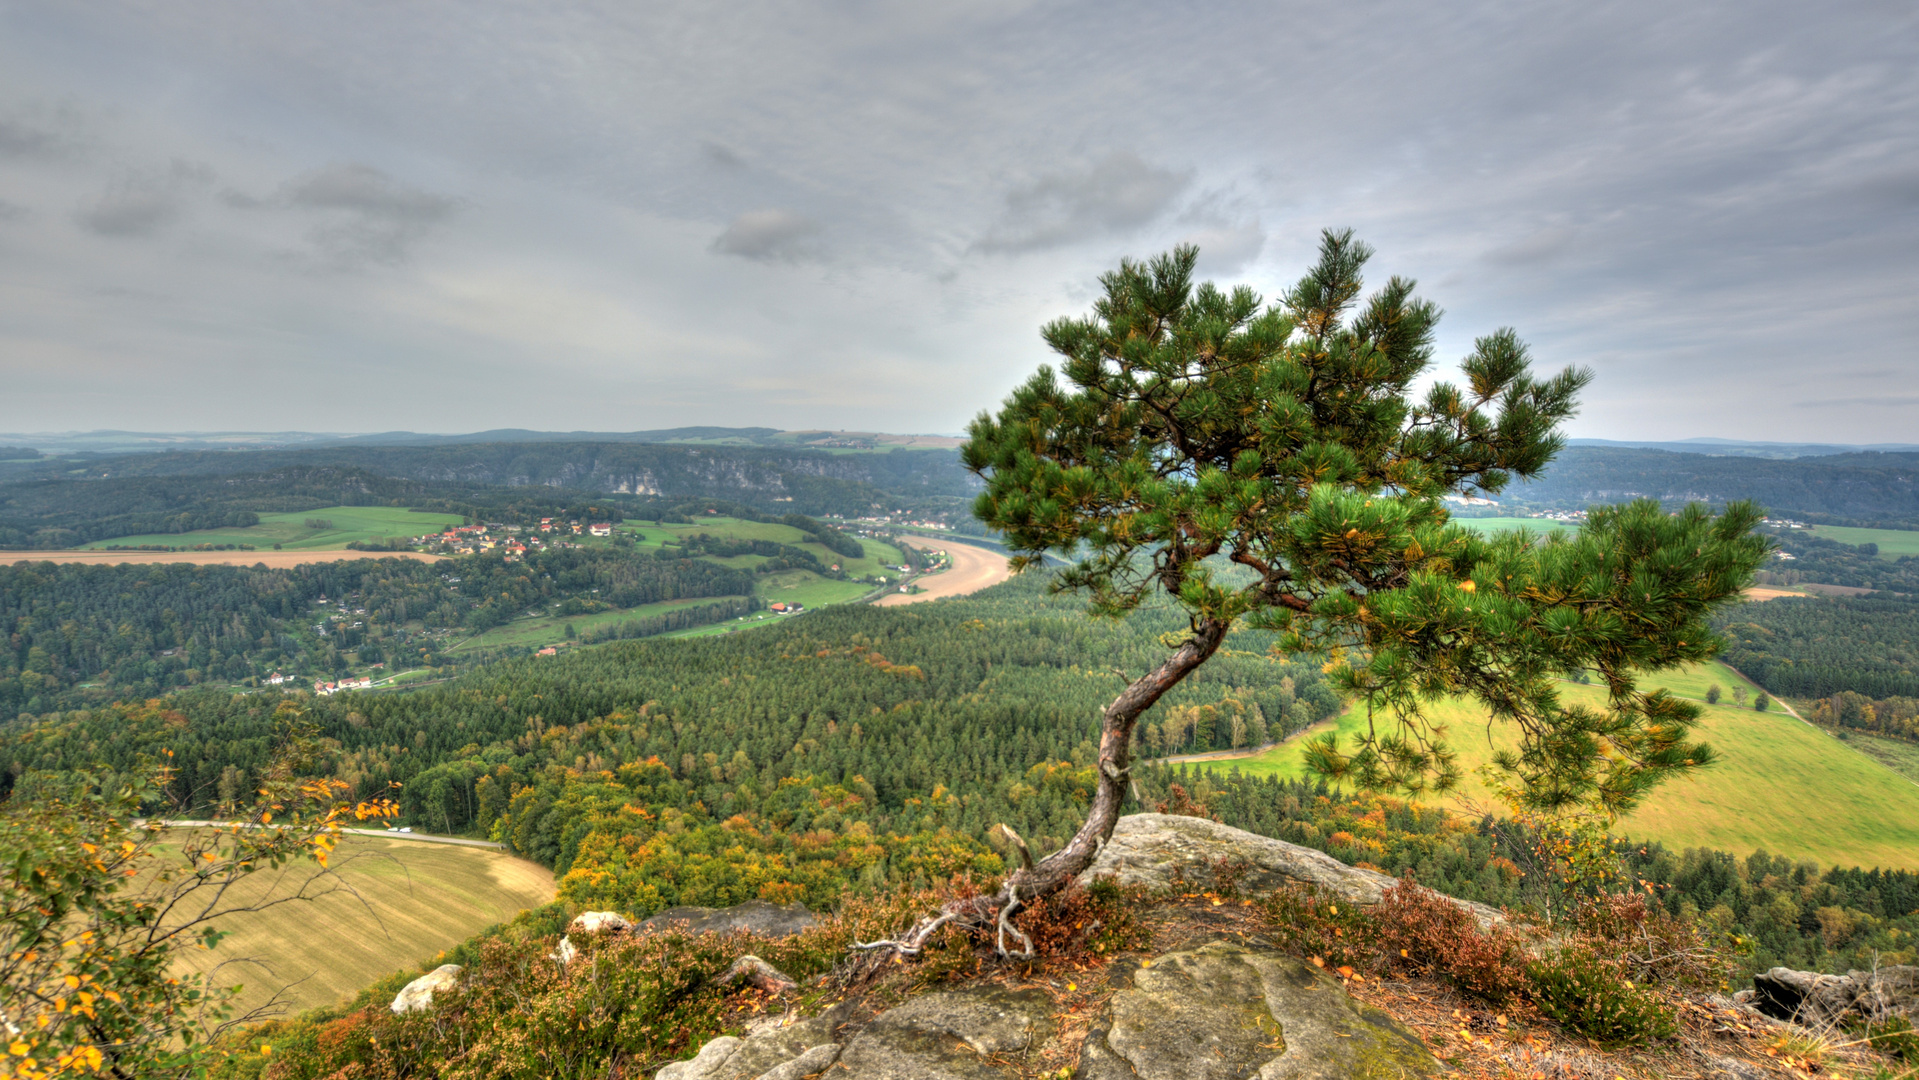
(1865, 488)
(142, 630)
(1817, 647)
(1893, 717)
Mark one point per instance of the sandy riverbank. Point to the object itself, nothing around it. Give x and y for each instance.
(974, 568)
(207, 558)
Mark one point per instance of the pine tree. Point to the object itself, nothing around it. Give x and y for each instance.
(1194, 425)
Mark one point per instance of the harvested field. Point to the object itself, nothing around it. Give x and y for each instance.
(207, 558)
(974, 568)
(1760, 592)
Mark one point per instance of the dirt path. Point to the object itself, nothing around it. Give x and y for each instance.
(275, 559)
(974, 568)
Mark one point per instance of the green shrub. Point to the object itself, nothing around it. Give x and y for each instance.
(1895, 1037)
(1596, 998)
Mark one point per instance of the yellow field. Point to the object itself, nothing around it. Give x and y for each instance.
(414, 900)
(1780, 784)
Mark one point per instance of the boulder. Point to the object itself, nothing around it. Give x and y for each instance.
(1808, 997)
(758, 916)
(592, 922)
(782, 1049)
(417, 996)
(948, 1035)
(1153, 849)
(1224, 1011)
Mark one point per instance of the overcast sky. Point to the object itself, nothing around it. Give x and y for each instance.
(451, 217)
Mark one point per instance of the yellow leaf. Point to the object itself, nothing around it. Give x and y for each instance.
(1070, 987)
(73, 982)
(266, 1049)
(1468, 586)
(19, 1049)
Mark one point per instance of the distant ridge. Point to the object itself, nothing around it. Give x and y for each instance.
(1737, 448)
(108, 441)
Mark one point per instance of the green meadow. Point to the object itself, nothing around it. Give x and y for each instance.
(1892, 542)
(346, 524)
(1779, 784)
(551, 629)
(878, 555)
(1508, 524)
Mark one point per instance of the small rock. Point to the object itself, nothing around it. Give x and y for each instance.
(942, 1036)
(565, 953)
(1808, 997)
(769, 1047)
(592, 922)
(417, 996)
(758, 916)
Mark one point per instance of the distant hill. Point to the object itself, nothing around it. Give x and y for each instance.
(1736, 448)
(1850, 487)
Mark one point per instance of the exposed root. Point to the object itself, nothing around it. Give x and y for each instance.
(1006, 924)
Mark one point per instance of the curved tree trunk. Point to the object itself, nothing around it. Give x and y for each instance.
(1057, 870)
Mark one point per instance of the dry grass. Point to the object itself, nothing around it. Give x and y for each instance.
(397, 902)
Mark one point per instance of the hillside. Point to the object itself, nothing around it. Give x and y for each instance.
(1780, 785)
(400, 901)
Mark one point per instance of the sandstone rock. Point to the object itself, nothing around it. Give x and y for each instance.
(1228, 1011)
(941, 1036)
(417, 996)
(758, 916)
(1148, 849)
(1807, 997)
(592, 922)
(772, 1050)
(565, 953)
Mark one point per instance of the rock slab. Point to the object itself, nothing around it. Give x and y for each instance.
(417, 996)
(1228, 1012)
(948, 1036)
(1808, 997)
(758, 916)
(1155, 850)
(772, 1050)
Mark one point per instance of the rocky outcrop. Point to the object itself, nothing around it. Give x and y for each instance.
(784, 1049)
(1228, 1011)
(948, 1036)
(1158, 850)
(417, 996)
(757, 916)
(592, 922)
(1807, 997)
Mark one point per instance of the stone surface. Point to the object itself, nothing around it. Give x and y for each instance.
(1808, 997)
(417, 996)
(942, 1036)
(1150, 849)
(1225, 1012)
(772, 1050)
(758, 916)
(592, 922)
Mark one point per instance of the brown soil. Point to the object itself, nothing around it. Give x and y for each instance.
(974, 568)
(276, 559)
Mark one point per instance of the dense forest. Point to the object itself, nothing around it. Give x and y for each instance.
(1830, 562)
(138, 630)
(1817, 647)
(863, 747)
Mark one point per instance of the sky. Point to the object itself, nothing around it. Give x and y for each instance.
(614, 216)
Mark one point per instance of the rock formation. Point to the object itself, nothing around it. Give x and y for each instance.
(1813, 999)
(417, 996)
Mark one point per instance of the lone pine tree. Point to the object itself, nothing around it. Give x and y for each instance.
(1267, 466)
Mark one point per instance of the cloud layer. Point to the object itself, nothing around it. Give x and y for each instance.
(602, 215)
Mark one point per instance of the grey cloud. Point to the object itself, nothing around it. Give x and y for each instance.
(1541, 246)
(1895, 401)
(722, 156)
(1227, 232)
(770, 236)
(368, 216)
(1115, 194)
(139, 204)
(11, 211)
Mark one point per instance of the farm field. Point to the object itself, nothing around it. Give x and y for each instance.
(270, 558)
(1892, 542)
(1780, 784)
(550, 630)
(879, 556)
(349, 524)
(419, 899)
(808, 589)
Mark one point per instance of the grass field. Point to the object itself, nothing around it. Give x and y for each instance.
(1892, 542)
(1901, 757)
(419, 899)
(1779, 784)
(350, 523)
(551, 630)
(809, 589)
(878, 555)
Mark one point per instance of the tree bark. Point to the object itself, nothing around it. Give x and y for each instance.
(1053, 873)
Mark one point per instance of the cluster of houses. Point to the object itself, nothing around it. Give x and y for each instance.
(780, 607)
(364, 682)
(472, 539)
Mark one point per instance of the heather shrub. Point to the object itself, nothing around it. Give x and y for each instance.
(1596, 997)
(1422, 931)
(1652, 944)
